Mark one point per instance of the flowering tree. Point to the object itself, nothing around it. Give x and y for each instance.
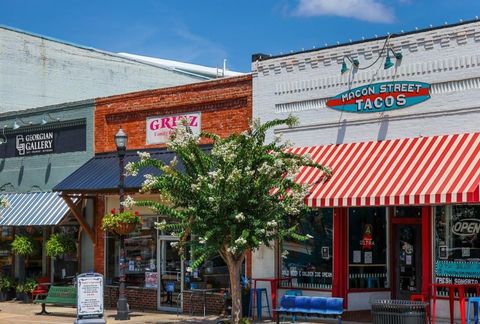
(4, 203)
(228, 201)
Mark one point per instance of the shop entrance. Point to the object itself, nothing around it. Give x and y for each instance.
(170, 270)
(407, 256)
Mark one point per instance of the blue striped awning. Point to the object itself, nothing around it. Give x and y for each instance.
(35, 208)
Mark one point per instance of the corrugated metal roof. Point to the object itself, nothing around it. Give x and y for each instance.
(35, 208)
(101, 173)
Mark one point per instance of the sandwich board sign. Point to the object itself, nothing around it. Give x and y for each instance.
(90, 299)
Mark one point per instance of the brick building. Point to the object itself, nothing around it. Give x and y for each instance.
(155, 272)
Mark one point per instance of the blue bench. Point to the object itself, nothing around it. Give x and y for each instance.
(311, 306)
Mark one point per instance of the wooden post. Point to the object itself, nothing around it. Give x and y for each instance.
(78, 215)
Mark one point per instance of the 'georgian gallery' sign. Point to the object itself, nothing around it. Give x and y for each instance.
(30, 142)
(36, 143)
(380, 97)
(160, 128)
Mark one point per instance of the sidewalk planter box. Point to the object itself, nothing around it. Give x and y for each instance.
(399, 312)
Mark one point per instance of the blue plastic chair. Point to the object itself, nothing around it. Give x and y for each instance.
(294, 292)
(334, 306)
(259, 303)
(475, 301)
(318, 305)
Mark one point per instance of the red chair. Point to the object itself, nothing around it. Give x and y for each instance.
(40, 289)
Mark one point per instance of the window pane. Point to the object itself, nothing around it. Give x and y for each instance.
(457, 245)
(140, 254)
(310, 262)
(367, 228)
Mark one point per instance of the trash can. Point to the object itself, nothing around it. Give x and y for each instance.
(399, 312)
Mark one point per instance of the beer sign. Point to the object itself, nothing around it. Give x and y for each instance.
(380, 97)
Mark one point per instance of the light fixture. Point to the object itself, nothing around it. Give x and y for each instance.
(16, 124)
(4, 139)
(46, 118)
(355, 63)
(388, 61)
(121, 140)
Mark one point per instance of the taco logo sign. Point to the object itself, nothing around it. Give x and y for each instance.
(379, 97)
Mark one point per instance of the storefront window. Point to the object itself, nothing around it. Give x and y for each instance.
(367, 229)
(6, 257)
(457, 245)
(213, 274)
(140, 255)
(309, 263)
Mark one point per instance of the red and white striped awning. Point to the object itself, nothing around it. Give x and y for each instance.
(409, 171)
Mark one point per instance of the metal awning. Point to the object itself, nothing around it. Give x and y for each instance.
(101, 174)
(33, 209)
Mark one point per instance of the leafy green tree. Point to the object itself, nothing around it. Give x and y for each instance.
(230, 200)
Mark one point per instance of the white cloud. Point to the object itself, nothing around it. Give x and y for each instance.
(366, 10)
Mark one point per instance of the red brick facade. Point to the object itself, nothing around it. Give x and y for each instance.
(226, 108)
(225, 105)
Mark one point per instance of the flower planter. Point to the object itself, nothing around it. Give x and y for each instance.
(125, 228)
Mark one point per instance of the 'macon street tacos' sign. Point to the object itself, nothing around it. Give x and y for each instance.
(378, 97)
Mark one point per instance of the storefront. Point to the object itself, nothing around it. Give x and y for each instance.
(396, 118)
(38, 148)
(157, 277)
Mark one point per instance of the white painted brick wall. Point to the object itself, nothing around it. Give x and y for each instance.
(303, 81)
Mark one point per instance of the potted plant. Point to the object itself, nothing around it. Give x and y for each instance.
(22, 245)
(28, 288)
(6, 287)
(59, 244)
(121, 223)
(20, 291)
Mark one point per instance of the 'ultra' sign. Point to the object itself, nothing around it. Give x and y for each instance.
(379, 97)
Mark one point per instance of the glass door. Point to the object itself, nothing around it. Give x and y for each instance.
(170, 270)
(408, 270)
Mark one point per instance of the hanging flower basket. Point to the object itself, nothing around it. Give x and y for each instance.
(124, 228)
(121, 223)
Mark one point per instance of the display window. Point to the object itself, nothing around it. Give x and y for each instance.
(6, 257)
(140, 255)
(309, 263)
(457, 245)
(367, 232)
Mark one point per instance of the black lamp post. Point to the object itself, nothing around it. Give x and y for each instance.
(121, 140)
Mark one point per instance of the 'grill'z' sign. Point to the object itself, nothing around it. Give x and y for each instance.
(379, 97)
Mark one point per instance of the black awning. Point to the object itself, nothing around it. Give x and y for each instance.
(101, 173)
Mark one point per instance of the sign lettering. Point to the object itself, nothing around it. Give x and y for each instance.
(37, 143)
(467, 226)
(159, 129)
(380, 97)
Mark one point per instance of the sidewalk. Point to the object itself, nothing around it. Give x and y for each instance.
(13, 312)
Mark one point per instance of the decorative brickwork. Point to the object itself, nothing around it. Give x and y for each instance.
(225, 105)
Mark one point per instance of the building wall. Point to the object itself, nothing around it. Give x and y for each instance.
(36, 71)
(225, 105)
(301, 83)
(42, 172)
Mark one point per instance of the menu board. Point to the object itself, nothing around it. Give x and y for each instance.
(89, 295)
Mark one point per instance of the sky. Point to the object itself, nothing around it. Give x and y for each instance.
(206, 32)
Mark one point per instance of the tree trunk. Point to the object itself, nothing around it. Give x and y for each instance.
(234, 267)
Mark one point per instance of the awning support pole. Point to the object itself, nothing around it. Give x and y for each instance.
(83, 223)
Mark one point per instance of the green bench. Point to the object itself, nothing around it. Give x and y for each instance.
(59, 296)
